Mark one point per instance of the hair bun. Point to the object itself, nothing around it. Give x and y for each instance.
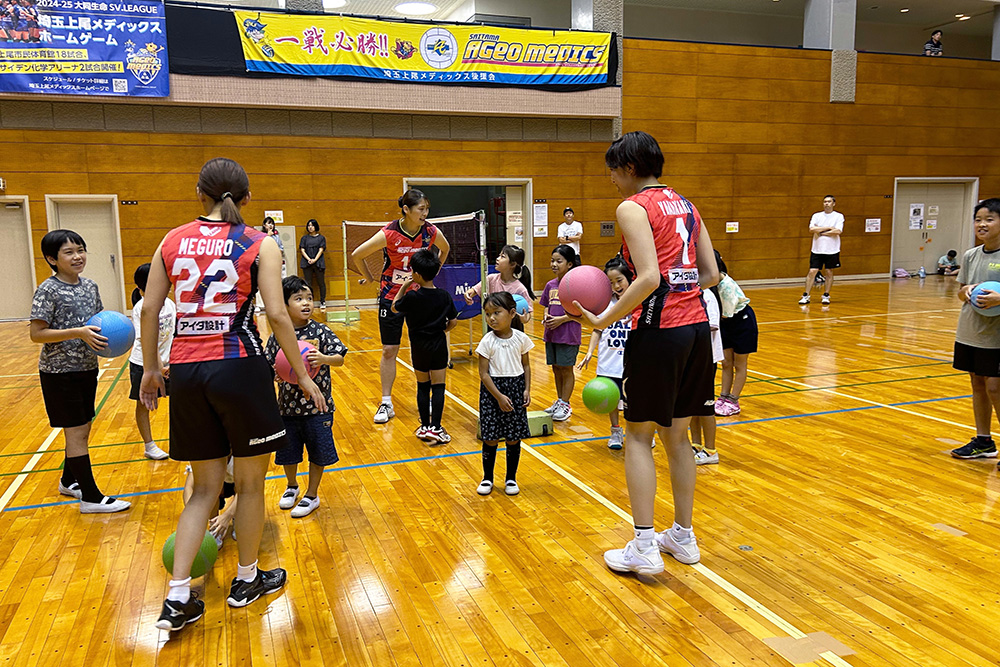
(399, 201)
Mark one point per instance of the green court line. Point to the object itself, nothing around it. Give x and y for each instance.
(104, 400)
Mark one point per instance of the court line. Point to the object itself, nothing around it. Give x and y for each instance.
(851, 317)
(918, 356)
(763, 611)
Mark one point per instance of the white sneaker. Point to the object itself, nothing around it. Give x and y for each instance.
(438, 434)
(701, 457)
(631, 559)
(288, 498)
(107, 505)
(562, 412)
(155, 453)
(218, 542)
(552, 408)
(485, 487)
(73, 490)
(305, 507)
(826, 300)
(685, 553)
(511, 488)
(617, 438)
(422, 432)
(384, 413)
(804, 300)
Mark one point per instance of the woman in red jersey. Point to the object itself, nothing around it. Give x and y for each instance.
(398, 241)
(668, 355)
(222, 400)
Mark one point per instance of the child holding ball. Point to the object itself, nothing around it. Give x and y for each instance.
(610, 343)
(505, 391)
(562, 334)
(511, 276)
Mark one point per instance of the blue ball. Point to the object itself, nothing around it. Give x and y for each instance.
(992, 286)
(118, 329)
(521, 303)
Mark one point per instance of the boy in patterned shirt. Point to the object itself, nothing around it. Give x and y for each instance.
(305, 424)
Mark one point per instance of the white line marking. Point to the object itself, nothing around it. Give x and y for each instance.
(851, 317)
(21, 375)
(705, 571)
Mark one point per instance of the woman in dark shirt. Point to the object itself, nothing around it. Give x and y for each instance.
(313, 246)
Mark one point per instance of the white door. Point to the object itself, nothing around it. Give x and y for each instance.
(945, 225)
(290, 250)
(19, 278)
(96, 221)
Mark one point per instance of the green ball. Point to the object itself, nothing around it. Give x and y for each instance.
(601, 395)
(203, 560)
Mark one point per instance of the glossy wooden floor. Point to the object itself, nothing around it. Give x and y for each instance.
(835, 510)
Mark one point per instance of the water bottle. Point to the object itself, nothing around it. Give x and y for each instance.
(922, 273)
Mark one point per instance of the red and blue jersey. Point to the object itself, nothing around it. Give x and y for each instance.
(213, 266)
(399, 248)
(676, 224)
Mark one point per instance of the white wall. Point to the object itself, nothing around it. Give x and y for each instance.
(544, 14)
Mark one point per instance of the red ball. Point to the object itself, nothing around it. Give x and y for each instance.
(284, 369)
(588, 285)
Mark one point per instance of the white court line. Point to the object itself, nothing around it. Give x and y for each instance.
(32, 462)
(851, 317)
(21, 375)
(708, 573)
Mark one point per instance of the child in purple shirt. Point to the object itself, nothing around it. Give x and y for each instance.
(562, 335)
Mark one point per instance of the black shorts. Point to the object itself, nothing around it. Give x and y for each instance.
(390, 324)
(69, 397)
(224, 407)
(135, 375)
(739, 332)
(429, 354)
(983, 361)
(668, 374)
(817, 261)
(315, 433)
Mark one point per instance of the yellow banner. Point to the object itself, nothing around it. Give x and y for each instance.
(302, 45)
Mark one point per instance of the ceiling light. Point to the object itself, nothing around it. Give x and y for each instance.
(415, 8)
(965, 18)
(904, 10)
(333, 4)
(958, 16)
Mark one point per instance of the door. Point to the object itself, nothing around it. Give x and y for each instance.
(290, 249)
(943, 223)
(95, 219)
(19, 279)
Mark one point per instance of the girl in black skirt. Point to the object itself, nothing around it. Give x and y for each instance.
(505, 391)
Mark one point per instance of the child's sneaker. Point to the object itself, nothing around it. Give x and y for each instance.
(423, 432)
(485, 487)
(176, 615)
(631, 559)
(562, 412)
(73, 490)
(728, 407)
(617, 438)
(976, 450)
(702, 457)
(552, 408)
(384, 413)
(826, 299)
(155, 453)
(804, 300)
(438, 434)
(305, 507)
(107, 505)
(242, 593)
(511, 488)
(685, 553)
(288, 498)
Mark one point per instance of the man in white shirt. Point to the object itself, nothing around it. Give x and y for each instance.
(571, 231)
(826, 227)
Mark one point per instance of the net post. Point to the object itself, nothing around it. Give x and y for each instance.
(481, 216)
(346, 317)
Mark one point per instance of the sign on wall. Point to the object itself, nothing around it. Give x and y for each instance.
(75, 47)
(320, 45)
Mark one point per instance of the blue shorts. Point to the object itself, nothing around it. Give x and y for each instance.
(315, 432)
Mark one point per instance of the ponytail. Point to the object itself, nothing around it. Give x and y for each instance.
(225, 181)
(524, 275)
(516, 256)
(136, 296)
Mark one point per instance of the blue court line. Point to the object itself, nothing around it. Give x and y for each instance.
(918, 356)
(362, 466)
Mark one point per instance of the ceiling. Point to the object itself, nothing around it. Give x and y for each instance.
(385, 8)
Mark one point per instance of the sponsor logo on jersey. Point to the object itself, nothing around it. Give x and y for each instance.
(209, 231)
(266, 439)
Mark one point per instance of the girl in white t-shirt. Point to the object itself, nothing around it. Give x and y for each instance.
(705, 425)
(167, 322)
(505, 391)
(610, 344)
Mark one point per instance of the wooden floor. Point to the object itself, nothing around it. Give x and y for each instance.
(836, 522)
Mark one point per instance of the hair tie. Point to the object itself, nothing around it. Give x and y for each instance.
(227, 194)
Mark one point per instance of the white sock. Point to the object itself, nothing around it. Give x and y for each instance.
(644, 537)
(150, 445)
(387, 400)
(246, 572)
(180, 591)
(680, 534)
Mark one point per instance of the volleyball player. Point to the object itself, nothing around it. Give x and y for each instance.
(398, 241)
(222, 392)
(668, 355)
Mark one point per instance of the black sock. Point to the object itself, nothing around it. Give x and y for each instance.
(67, 475)
(489, 460)
(437, 403)
(983, 440)
(424, 402)
(513, 458)
(80, 468)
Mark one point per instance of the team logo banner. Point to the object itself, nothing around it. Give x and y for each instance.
(79, 47)
(369, 48)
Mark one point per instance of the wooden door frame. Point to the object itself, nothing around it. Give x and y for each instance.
(23, 201)
(51, 201)
(973, 199)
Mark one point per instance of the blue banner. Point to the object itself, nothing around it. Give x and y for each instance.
(80, 47)
(456, 279)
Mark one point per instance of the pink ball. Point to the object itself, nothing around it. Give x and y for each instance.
(588, 285)
(284, 369)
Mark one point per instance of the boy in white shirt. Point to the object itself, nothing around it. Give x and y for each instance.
(571, 231)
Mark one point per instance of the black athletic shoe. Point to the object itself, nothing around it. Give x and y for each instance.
(243, 593)
(176, 615)
(976, 450)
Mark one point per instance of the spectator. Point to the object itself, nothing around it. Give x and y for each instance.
(934, 47)
(571, 231)
(947, 266)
